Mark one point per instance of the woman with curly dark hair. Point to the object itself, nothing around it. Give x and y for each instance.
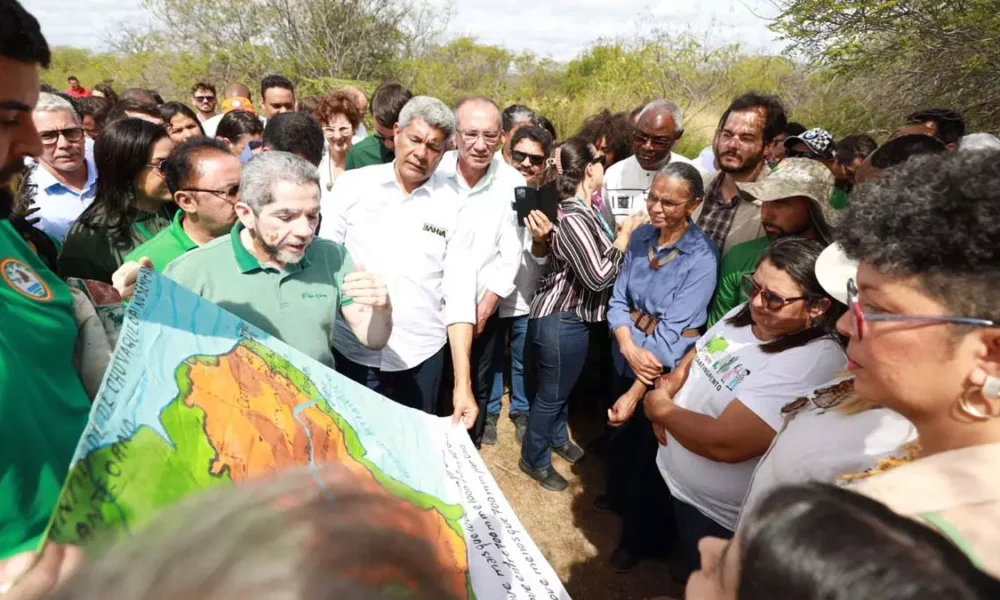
(610, 133)
(924, 327)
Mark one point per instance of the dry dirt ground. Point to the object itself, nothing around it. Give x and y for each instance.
(576, 539)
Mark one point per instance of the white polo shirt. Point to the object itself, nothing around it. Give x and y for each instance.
(415, 243)
(59, 206)
(488, 211)
(626, 183)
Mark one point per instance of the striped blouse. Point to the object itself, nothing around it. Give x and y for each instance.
(584, 265)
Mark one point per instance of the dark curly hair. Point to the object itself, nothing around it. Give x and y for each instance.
(614, 129)
(336, 103)
(936, 217)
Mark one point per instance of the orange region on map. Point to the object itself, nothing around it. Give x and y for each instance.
(251, 423)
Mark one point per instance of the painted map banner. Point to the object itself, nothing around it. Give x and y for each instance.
(196, 398)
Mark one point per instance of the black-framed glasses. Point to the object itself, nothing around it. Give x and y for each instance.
(230, 194)
(519, 157)
(859, 317)
(657, 142)
(72, 134)
(204, 98)
(773, 302)
(159, 165)
(255, 144)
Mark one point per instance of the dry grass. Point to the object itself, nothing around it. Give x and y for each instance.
(576, 539)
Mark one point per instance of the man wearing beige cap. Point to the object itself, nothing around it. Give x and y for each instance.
(794, 201)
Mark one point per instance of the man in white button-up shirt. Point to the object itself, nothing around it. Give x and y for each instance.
(65, 180)
(487, 184)
(401, 221)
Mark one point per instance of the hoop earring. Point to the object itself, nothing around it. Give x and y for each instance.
(990, 392)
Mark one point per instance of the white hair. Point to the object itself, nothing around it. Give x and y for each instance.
(260, 175)
(50, 103)
(666, 106)
(432, 111)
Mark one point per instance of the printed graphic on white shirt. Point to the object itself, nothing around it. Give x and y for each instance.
(721, 364)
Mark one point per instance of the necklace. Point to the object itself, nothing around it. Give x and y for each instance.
(656, 263)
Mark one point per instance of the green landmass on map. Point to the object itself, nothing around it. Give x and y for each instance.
(244, 414)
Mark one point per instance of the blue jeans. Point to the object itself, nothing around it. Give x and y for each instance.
(417, 387)
(555, 353)
(518, 327)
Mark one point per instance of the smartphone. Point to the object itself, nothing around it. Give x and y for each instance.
(545, 199)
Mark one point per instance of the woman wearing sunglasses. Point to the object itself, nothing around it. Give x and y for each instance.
(720, 408)
(132, 202)
(924, 327)
(834, 434)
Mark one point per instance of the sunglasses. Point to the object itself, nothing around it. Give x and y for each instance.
(519, 157)
(659, 142)
(159, 166)
(204, 98)
(860, 317)
(73, 134)
(773, 302)
(255, 144)
(230, 194)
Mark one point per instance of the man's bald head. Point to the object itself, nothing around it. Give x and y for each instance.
(236, 90)
(358, 97)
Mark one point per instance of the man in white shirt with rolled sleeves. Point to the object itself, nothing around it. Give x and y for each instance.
(401, 221)
(487, 185)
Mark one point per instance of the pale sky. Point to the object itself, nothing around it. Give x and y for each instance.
(555, 28)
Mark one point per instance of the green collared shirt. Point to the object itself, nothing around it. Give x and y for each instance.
(297, 304)
(739, 261)
(367, 152)
(166, 245)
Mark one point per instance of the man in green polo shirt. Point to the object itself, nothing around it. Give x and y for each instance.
(387, 101)
(272, 271)
(43, 405)
(793, 200)
(204, 180)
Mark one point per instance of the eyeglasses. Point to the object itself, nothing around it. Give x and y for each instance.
(342, 131)
(518, 157)
(159, 166)
(665, 203)
(73, 134)
(256, 144)
(230, 194)
(657, 142)
(860, 317)
(773, 302)
(204, 98)
(470, 137)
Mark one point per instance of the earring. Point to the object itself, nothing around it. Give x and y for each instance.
(990, 392)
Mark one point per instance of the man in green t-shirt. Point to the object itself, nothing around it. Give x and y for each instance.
(272, 271)
(793, 202)
(387, 101)
(204, 180)
(43, 405)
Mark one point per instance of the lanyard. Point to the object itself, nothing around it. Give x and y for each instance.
(600, 220)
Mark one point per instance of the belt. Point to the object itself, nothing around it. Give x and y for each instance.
(647, 323)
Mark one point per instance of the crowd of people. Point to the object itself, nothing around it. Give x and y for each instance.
(797, 357)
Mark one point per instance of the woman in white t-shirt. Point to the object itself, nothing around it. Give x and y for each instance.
(720, 408)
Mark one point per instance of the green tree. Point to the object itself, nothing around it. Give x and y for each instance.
(915, 53)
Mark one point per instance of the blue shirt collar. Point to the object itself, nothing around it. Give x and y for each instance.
(686, 244)
(46, 181)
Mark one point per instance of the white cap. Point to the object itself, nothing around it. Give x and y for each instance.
(980, 141)
(833, 269)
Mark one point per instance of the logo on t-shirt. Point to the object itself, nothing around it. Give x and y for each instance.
(22, 278)
(722, 368)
